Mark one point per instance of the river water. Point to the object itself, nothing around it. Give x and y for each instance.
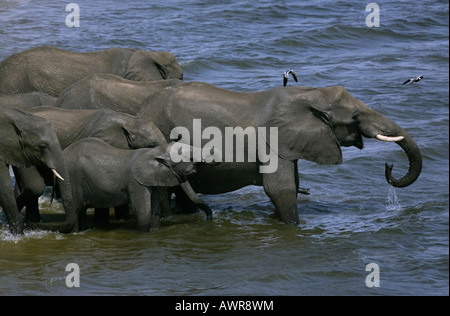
(351, 219)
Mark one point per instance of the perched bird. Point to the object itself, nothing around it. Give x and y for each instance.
(286, 76)
(411, 80)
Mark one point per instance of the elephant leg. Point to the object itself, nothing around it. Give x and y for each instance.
(140, 203)
(82, 219)
(164, 201)
(155, 215)
(29, 187)
(32, 211)
(282, 187)
(101, 216)
(8, 202)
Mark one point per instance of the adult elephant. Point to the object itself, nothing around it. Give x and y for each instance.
(26, 101)
(107, 91)
(312, 124)
(51, 70)
(117, 129)
(28, 140)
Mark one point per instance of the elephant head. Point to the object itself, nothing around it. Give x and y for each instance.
(125, 131)
(30, 140)
(154, 168)
(314, 122)
(146, 66)
(141, 133)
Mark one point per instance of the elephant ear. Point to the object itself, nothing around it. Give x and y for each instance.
(11, 140)
(147, 169)
(305, 132)
(142, 66)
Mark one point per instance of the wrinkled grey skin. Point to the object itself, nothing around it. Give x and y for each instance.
(51, 70)
(107, 91)
(117, 129)
(26, 101)
(113, 177)
(25, 141)
(312, 124)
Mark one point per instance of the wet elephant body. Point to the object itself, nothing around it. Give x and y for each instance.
(50, 70)
(107, 91)
(105, 176)
(28, 140)
(312, 124)
(26, 101)
(117, 129)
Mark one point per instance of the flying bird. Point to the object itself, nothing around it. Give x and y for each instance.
(411, 80)
(286, 76)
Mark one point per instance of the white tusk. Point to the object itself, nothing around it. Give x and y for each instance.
(57, 174)
(389, 138)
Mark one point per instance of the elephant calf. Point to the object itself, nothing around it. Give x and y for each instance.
(104, 176)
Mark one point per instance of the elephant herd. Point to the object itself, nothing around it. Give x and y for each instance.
(102, 127)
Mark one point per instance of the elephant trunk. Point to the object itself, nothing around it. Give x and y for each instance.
(384, 129)
(59, 168)
(415, 163)
(194, 198)
(65, 189)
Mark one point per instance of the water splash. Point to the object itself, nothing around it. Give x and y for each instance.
(7, 236)
(393, 202)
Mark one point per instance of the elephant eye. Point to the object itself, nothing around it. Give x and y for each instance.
(42, 146)
(355, 117)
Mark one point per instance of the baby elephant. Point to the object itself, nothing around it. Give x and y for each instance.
(104, 176)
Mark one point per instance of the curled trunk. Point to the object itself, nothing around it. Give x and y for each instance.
(376, 125)
(194, 198)
(415, 163)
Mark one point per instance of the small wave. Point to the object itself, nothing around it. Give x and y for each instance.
(341, 36)
(198, 64)
(7, 236)
(13, 3)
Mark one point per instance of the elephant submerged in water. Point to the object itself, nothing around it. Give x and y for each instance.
(51, 70)
(310, 123)
(27, 140)
(105, 176)
(107, 91)
(117, 129)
